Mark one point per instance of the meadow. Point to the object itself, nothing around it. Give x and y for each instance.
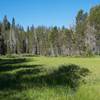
(33, 78)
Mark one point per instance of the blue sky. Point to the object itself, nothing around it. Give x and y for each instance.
(44, 12)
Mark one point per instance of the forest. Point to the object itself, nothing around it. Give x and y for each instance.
(43, 62)
(83, 38)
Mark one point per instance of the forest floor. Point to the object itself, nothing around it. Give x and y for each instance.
(21, 78)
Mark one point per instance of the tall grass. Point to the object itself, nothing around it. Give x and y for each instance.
(24, 70)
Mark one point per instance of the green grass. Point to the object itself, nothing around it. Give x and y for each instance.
(24, 69)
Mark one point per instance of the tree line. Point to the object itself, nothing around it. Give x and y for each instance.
(81, 39)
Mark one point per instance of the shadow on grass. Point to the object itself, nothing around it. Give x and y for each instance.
(15, 80)
(66, 75)
(12, 64)
(28, 76)
(12, 61)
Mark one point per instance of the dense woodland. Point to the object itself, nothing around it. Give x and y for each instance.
(81, 39)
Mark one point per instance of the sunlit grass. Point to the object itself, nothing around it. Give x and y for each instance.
(88, 91)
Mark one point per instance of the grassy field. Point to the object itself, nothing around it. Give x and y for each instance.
(20, 78)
